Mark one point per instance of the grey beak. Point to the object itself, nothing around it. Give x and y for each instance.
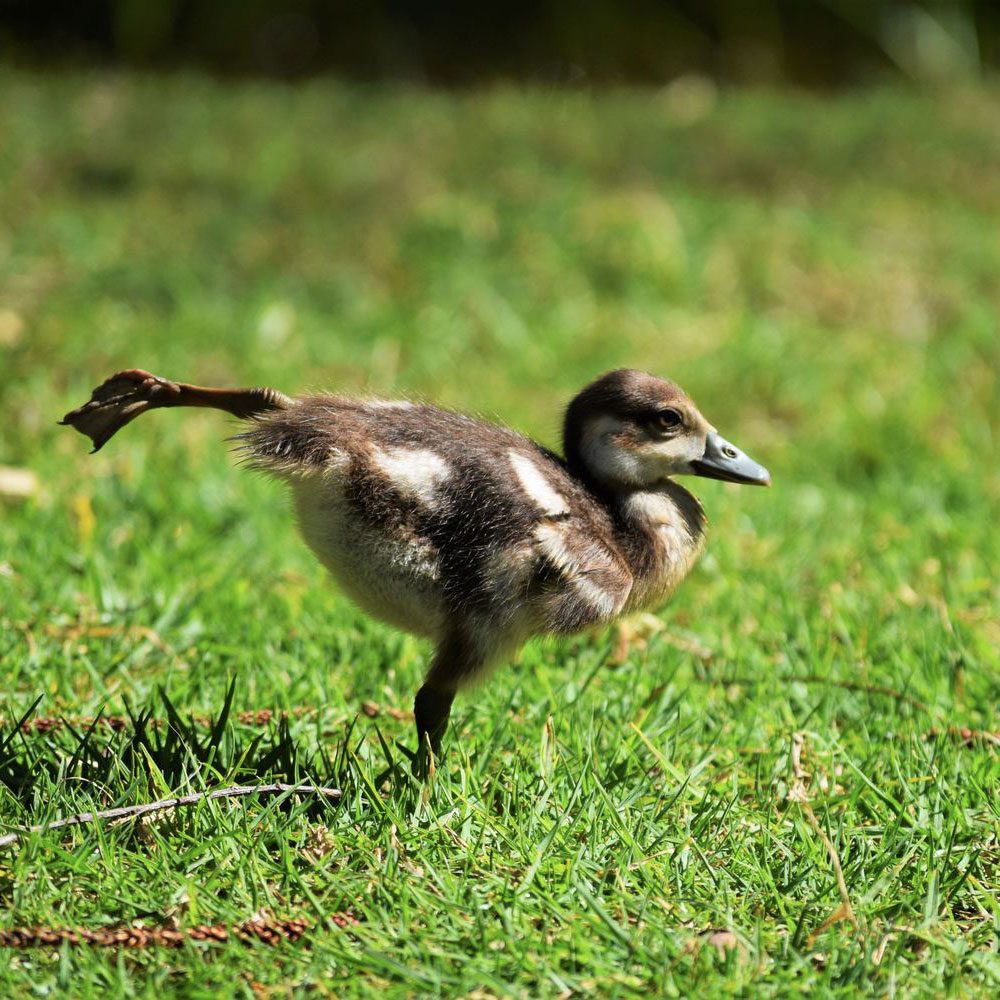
(725, 461)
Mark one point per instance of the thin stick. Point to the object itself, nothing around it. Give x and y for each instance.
(143, 809)
(43, 724)
(263, 929)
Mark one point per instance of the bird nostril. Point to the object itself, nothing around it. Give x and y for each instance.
(729, 451)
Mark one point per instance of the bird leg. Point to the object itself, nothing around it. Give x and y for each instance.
(457, 659)
(431, 709)
(128, 394)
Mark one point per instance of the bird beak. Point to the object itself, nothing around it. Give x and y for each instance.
(725, 461)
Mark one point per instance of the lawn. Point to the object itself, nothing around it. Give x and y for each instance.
(661, 808)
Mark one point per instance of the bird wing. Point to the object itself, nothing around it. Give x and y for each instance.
(583, 581)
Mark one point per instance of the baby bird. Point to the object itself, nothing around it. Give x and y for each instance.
(466, 532)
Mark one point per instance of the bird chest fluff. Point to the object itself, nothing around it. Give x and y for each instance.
(466, 532)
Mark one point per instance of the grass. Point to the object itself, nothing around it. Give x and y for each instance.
(820, 274)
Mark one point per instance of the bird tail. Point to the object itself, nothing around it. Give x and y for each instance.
(128, 394)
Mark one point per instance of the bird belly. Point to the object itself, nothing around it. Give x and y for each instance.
(386, 570)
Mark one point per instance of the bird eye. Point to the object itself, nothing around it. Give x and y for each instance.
(666, 421)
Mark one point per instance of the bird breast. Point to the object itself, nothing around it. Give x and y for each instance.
(664, 534)
(393, 573)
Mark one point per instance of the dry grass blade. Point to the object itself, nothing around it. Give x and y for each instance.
(846, 910)
(799, 794)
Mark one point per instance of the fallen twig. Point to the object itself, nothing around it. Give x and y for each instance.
(264, 929)
(144, 808)
(42, 724)
(967, 737)
(267, 931)
(119, 723)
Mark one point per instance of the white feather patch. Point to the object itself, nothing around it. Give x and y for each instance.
(416, 471)
(389, 404)
(605, 457)
(538, 488)
(553, 544)
(655, 509)
(395, 579)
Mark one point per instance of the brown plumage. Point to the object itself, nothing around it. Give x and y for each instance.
(466, 532)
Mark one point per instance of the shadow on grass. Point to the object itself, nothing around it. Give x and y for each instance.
(164, 753)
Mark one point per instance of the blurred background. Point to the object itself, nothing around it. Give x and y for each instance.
(790, 208)
(449, 42)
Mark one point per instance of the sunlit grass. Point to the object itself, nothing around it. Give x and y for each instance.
(819, 274)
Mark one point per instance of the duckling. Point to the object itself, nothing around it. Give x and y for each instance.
(466, 532)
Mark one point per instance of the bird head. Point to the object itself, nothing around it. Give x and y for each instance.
(630, 430)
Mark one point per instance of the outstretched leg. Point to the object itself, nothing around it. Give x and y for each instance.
(128, 394)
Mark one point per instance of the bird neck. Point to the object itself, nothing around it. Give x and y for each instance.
(661, 532)
(659, 529)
